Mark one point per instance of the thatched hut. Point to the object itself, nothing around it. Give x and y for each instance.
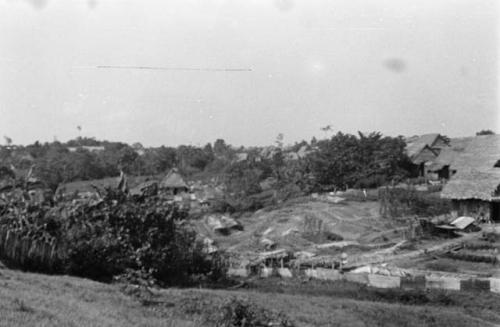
(475, 189)
(423, 150)
(174, 183)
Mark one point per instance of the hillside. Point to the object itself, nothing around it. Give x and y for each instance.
(38, 300)
(303, 224)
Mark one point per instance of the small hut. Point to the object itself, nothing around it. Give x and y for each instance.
(475, 188)
(174, 183)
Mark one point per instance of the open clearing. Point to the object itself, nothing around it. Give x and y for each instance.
(305, 223)
(315, 226)
(28, 299)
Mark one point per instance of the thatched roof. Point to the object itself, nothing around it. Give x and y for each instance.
(476, 176)
(481, 154)
(417, 144)
(448, 154)
(95, 185)
(173, 180)
(472, 185)
(427, 154)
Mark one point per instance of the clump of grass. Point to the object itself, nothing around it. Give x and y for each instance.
(234, 311)
(19, 305)
(241, 312)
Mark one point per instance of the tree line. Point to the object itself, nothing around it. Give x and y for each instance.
(341, 161)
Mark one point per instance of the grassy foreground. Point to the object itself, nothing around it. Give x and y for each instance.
(38, 300)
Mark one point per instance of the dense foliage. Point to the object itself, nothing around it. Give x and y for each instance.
(105, 238)
(252, 178)
(346, 161)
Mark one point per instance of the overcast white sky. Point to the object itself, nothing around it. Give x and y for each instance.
(399, 67)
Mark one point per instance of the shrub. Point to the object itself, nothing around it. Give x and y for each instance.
(147, 235)
(238, 312)
(105, 238)
(233, 312)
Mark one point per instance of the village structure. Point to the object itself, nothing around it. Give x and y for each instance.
(215, 163)
(469, 168)
(465, 170)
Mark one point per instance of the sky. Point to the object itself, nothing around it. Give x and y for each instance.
(170, 72)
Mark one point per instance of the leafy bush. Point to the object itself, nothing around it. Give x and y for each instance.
(105, 238)
(149, 235)
(233, 312)
(238, 312)
(29, 237)
(370, 160)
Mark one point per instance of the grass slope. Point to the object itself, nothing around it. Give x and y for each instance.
(38, 300)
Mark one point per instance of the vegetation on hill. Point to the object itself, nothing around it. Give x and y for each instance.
(342, 161)
(362, 161)
(116, 235)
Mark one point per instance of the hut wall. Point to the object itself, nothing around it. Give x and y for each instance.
(480, 210)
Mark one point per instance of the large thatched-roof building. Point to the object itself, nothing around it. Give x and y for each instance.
(475, 188)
